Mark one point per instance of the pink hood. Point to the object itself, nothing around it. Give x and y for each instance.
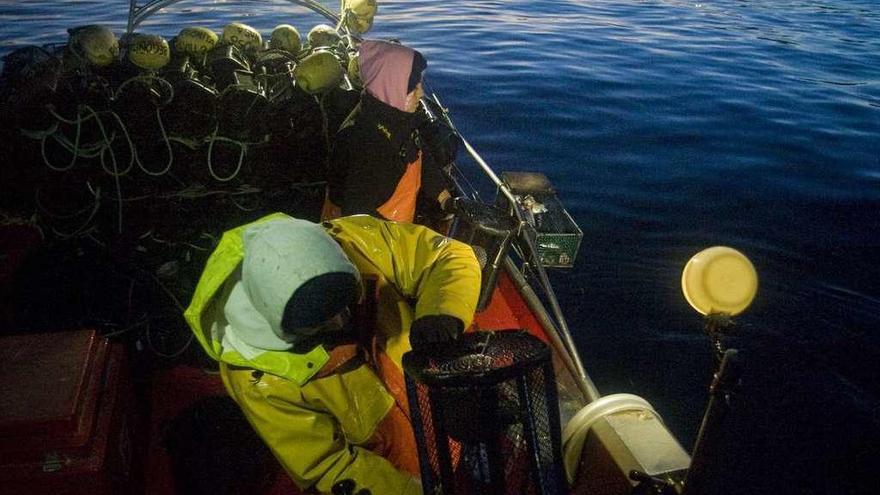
(385, 68)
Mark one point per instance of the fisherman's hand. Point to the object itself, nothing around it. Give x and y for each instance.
(434, 329)
(440, 141)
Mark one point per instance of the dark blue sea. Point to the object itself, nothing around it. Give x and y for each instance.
(668, 126)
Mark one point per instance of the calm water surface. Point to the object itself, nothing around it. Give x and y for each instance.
(667, 127)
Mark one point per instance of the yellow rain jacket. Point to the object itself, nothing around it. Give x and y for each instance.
(322, 428)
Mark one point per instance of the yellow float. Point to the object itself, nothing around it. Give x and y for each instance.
(195, 41)
(323, 35)
(149, 51)
(95, 43)
(286, 37)
(359, 14)
(319, 72)
(242, 36)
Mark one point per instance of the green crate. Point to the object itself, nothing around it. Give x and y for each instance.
(559, 237)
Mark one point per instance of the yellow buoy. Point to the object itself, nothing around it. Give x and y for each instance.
(286, 37)
(96, 43)
(360, 14)
(195, 41)
(323, 35)
(242, 36)
(719, 280)
(149, 51)
(319, 72)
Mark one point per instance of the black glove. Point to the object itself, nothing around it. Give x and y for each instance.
(344, 487)
(439, 141)
(347, 487)
(434, 329)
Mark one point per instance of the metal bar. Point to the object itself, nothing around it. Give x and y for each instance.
(724, 384)
(529, 236)
(138, 14)
(441, 438)
(562, 326)
(132, 7)
(582, 379)
(530, 430)
(559, 327)
(491, 174)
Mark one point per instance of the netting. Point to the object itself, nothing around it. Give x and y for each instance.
(137, 150)
(485, 413)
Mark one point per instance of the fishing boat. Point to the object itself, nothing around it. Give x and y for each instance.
(140, 153)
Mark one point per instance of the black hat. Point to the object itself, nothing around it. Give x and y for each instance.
(418, 68)
(319, 299)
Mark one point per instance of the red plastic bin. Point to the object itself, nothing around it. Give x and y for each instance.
(67, 415)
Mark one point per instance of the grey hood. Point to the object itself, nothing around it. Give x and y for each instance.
(280, 257)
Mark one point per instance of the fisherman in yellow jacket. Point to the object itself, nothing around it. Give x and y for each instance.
(309, 323)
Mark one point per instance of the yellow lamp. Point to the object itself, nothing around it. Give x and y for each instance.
(719, 280)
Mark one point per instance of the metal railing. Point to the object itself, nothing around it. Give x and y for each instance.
(138, 12)
(553, 320)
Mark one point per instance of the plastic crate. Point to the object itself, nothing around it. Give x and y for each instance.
(558, 236)
(67, 420)
(485, 415)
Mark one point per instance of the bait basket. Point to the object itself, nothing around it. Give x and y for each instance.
(485, 414)
(558, 237)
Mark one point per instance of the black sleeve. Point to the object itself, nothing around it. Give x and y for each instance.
(439, 148)
(434, 179)
(362, 174)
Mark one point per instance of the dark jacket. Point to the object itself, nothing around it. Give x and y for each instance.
(370, 155)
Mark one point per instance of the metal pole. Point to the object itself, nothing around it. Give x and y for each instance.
(724, 385)
(559, 328)
(582, 379)
(524, 226)
(136, 14)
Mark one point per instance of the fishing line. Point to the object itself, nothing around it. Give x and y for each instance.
(78, 122)
(82, 228)
(109, 148)
(242, 151)
(29, 133)
(158, 240)
(179, 306)
(240, 207)
(108, 141)
(168, 94)
(325, 128)
(167, 147)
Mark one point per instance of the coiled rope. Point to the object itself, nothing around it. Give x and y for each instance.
(149, 79)
(83, 228)
(243, 147)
